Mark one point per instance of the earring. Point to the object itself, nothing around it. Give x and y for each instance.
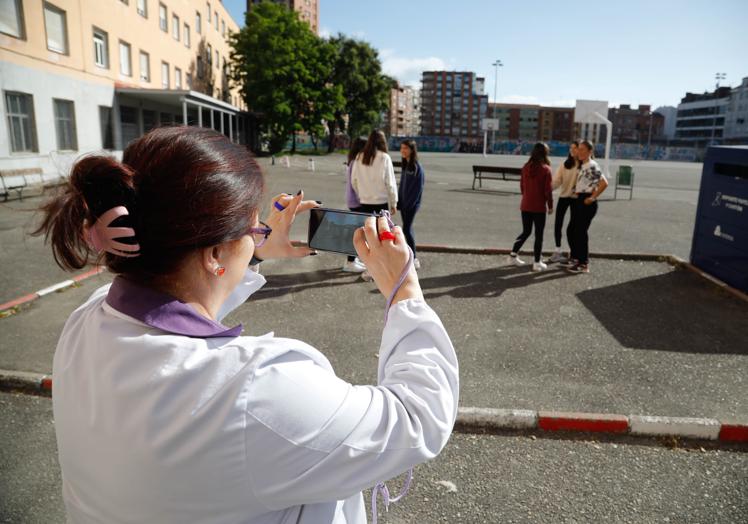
(219, 271)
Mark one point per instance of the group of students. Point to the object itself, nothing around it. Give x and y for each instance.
(582, 182)
(371, 187)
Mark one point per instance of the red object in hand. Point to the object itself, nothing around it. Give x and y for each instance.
(386, 235)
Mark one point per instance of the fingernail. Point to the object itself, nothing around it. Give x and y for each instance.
(297, 194)
(319, 202)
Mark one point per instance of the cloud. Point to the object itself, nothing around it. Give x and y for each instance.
(324, 32)
(408, 70)
(358, 35)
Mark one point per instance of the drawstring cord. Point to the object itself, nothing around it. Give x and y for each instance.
(381, 487)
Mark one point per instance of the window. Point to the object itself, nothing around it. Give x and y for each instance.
(200, 67)
(207, 4)
(11, 18)
(65, 125)
(105, 122)
(188, 80)
(20, 110)
(145, 67)
(56, 24)
(223, 27)
(125, 65)
(217, 62)
(215, 18)
(198, 23)
(186, 33)
(177, 78)
(175, 27)
(101, 48)
(143, 8)
(210, 55)
(164, 75)
(162, 22)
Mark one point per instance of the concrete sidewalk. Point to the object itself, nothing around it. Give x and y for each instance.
(630, 337)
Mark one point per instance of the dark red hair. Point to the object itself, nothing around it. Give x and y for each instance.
(185, 188)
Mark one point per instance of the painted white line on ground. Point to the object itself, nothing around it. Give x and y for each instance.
(703, 428)
(505, 418)
(55, 287)
(442, 183)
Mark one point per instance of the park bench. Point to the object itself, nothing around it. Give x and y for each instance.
(18, 180)
(495, 173)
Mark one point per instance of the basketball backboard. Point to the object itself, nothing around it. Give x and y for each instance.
(585, 110)
(490, 124)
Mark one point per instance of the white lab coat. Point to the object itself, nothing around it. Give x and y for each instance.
(159, 427)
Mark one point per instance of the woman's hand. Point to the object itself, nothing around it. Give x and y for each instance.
(386, 259)
(589, 200)
(278, 244)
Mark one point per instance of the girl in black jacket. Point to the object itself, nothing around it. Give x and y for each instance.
(410, 192)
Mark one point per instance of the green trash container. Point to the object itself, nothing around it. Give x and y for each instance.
(625, 180)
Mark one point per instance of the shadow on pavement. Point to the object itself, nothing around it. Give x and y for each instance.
(280, 285)
(486, 282)
(670, 312)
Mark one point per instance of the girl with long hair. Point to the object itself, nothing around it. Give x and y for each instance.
(537, 199)
(410, 191)
(353, 264)
(373, 176)
(565, 178)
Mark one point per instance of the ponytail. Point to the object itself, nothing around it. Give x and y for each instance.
(96, 184)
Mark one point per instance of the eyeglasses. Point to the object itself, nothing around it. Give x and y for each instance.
(264, 231)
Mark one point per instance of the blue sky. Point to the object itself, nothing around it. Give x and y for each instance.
(626, 52)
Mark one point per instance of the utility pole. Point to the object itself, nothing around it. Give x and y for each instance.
(717, 77)
(497, 64)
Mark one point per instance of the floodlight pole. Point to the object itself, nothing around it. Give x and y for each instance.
(497, 64)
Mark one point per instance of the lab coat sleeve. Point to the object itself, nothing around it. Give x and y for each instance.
(324, 439)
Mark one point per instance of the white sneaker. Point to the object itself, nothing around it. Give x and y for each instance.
(515, 260)
(557, 256)
(366, 276)
(539, 266)
(417, 264)
(354, 266)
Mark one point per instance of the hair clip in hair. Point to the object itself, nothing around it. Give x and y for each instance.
(102, 237)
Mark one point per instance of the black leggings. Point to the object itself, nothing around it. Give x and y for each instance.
(563, 204)
(409, 215)
(581, 218)
(528, 219)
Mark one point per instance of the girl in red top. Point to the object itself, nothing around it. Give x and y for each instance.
(537, 197)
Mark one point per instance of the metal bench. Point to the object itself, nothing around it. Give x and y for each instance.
(495, 173)
(18, 180)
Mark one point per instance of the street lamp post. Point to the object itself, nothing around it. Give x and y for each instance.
(497, 64)
(717, 77)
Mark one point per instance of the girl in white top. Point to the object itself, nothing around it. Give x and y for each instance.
(163, 414)
(565, 178)
(373, 176)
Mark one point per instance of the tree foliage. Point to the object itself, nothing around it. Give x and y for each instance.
(295, 80)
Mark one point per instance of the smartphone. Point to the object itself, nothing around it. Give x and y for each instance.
(332, 229)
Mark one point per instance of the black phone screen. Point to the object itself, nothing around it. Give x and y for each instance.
(332, 229)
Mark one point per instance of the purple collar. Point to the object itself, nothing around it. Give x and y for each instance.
(163, 311)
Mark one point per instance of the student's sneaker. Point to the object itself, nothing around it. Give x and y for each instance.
(417, 264)
(569, 262)
(579, 268)
(539, 266)
(366, 276)
(557, 256)
(354, 266)
(515, 260)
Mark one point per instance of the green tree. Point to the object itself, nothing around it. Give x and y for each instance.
(280, 65)
(366, 90)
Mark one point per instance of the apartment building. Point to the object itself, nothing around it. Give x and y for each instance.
(635, 125)
(404, 115)
(530, 122)
(308, 10)
(736, 118)
(85, 75)
(701, 117)
(453, 103)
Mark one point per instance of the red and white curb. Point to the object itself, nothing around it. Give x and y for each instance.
(491, 419)
(51, 289)
(608, 424)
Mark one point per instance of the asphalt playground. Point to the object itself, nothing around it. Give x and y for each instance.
(635, 336)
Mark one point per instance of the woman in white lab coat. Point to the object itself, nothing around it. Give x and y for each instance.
(162, 413)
